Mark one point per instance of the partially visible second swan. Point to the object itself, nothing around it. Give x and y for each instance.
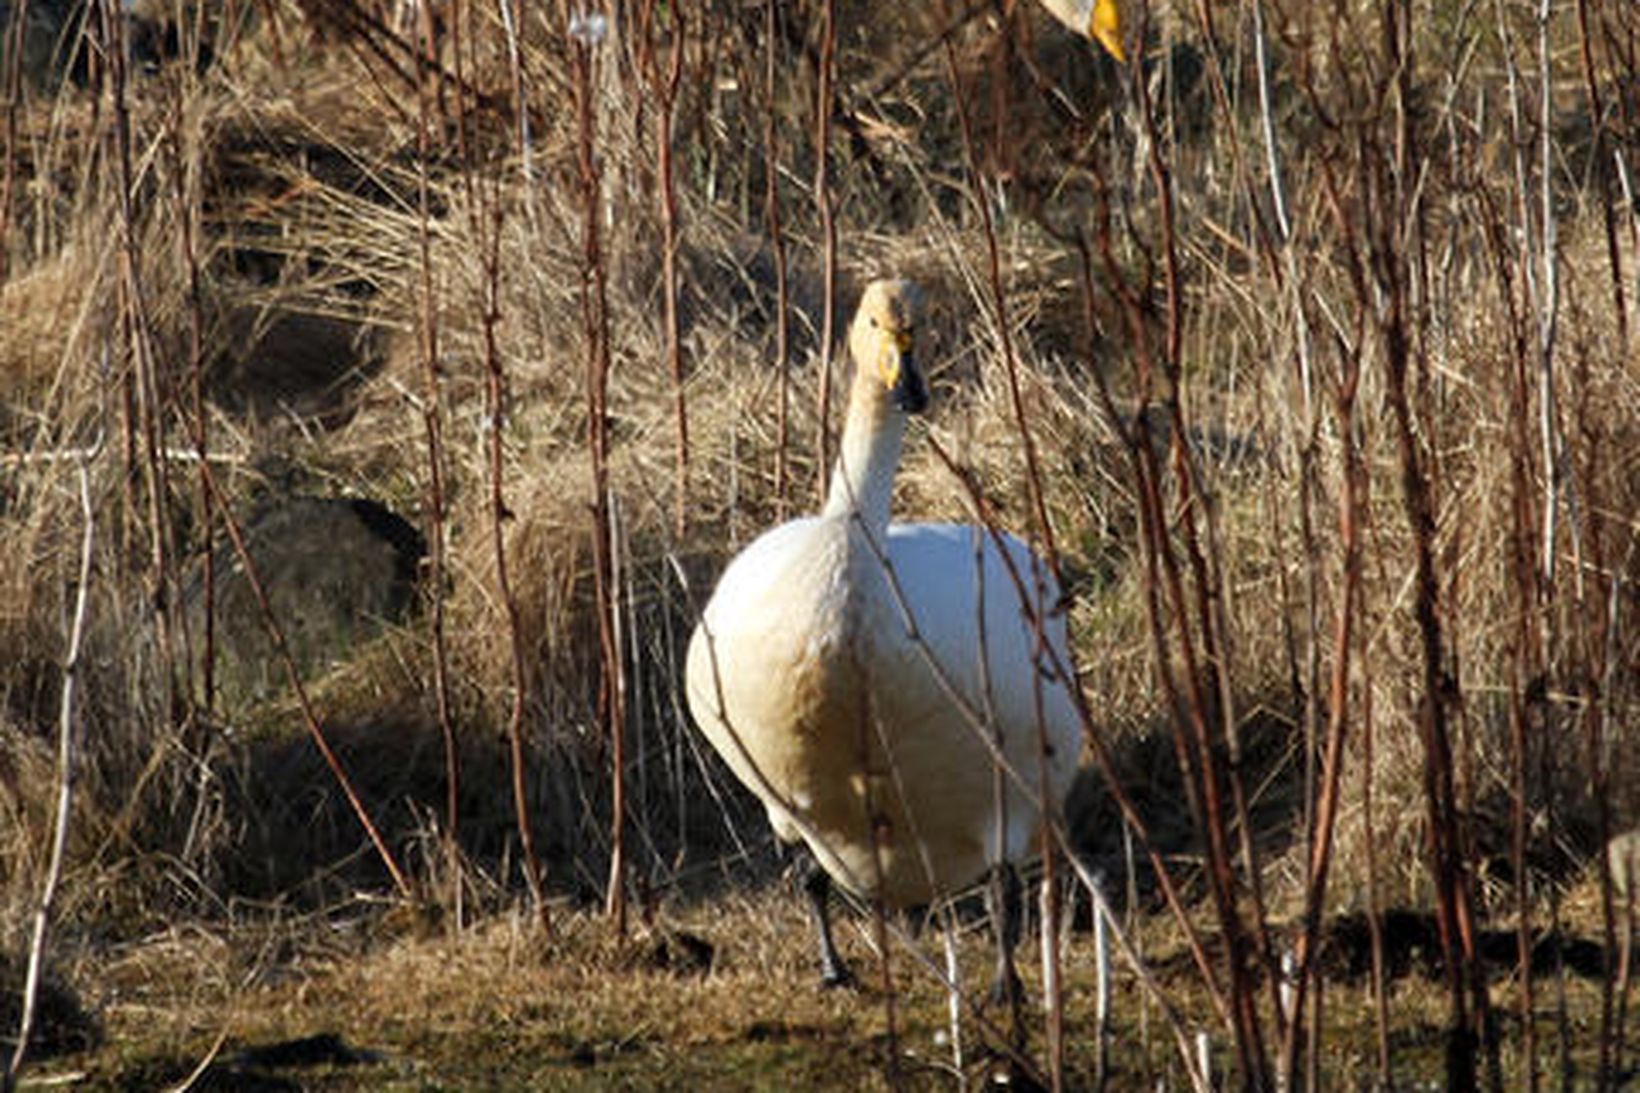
(1100, 20)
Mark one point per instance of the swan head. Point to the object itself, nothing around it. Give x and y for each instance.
(882, 341)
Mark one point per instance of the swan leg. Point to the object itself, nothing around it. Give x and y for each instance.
(1004, 903)
(814, 884)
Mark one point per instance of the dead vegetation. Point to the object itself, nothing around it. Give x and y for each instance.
(1322, 324)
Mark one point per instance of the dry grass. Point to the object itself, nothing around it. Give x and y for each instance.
(580, 1013)
(500, 1008)
(215, 869)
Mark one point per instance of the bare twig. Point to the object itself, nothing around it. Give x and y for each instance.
(1043, 533)
(1353, 474)
(1549, 306)
(310, 715)
(1101, 996)
(1454, 909)
(663, 83)
(828, 231)
(953, 999)
(1186, 614)
(65, 782)
(1272, 153)
(777, 242)
(147, 398)
(515, 64)
(1101, 752)
(433, 426)
(999, 302)
(11, 51)
(1375, 918)
(595, 329)
(1597, 155)
(187, 201)
(495, 389)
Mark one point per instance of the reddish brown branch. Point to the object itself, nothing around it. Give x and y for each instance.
(1203, 703)
(310, 716)
(1353, 475)
(1095, 740)
(664, 82)
(777, 242)
(433, 431)
(12, 52)
(595, 331)
(828, 229)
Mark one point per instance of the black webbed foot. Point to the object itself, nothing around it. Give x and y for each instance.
(813, 883)
(1003, 900)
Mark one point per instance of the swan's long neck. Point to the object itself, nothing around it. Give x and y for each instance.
(862, 481)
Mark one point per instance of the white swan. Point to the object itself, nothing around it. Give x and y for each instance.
(806, 676)
(1100, 20)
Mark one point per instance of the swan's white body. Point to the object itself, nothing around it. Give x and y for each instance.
(816, 672)
(831, 712)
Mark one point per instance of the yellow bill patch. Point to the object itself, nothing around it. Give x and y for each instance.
(1105, 27)
(895, 348)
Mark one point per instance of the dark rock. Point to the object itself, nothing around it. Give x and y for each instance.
(324, 1049)
(257, 1069)
(58, 38)
(294, 362)
(61, 1024)
(1412, 946)
(335, 571)
(681, 953)
(51, 40)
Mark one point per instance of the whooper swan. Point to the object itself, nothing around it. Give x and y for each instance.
(816, 672)
(1100, 20)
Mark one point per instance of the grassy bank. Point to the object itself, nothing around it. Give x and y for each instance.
(1320, 329)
